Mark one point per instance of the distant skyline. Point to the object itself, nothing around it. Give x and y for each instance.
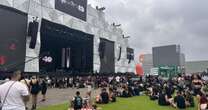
(162, 22)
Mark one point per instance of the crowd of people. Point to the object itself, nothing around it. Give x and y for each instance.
(178, 92)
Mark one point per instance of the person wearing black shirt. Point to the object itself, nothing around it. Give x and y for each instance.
(44, 89)
(104, 96)
(77, 101)
(163, 99)
(180, 101)
(34, 90)
(189, 99)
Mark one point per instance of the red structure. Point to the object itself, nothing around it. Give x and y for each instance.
(139, 70)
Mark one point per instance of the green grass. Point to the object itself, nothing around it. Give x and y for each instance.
(135, 103)
(56, 107)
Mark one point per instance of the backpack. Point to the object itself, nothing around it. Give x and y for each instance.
(78, 102)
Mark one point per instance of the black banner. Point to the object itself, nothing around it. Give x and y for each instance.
(75, 8)
(130, 53)
(13, 30)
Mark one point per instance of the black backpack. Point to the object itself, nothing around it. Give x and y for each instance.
(78, 102)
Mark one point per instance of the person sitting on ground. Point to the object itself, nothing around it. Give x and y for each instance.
(189, 99)
(104, 96)
(154, 93)
(169, 91)
(163, 99)
(136, 89)
(98, 99)
(112, 96)
(197, 85)
(87, 100)
(125, 93)
(203, 102)
(77, 101)
(131, 91)
(180, 101)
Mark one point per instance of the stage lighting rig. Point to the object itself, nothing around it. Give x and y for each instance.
(126, 37)
(116, 25)
(100, 9)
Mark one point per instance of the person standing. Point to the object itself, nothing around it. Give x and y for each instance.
(43, 89)
(34, 90)
(14, 94)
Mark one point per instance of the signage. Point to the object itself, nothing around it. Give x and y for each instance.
(75, 8)
(154, 71)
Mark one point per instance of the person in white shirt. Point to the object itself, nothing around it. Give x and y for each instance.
(118, 79)
(17, 96)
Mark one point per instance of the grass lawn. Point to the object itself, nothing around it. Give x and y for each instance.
(135, 103)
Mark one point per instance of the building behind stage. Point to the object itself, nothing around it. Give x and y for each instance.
(147, 63)
(193, 67)
(95, 25)
(169, 55)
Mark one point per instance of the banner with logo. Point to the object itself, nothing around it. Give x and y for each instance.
(75, 8)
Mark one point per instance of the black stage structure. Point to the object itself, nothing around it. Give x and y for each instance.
(68, 50)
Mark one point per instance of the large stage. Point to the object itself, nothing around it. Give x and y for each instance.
(70, 50)
(65, 41)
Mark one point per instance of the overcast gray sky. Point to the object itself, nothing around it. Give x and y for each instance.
(162, 22)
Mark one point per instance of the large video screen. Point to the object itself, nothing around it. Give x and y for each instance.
(166, 56)
(75, 8)
(13, 29)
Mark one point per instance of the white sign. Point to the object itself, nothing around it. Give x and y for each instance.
(154, 71)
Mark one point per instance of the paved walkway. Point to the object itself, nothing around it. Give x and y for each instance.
(59, 96)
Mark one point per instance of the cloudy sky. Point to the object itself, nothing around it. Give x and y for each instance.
(162, 22)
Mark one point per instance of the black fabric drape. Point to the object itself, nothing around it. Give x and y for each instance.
(119, 57)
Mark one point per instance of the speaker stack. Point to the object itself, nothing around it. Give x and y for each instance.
(102, 49)
(32, 32)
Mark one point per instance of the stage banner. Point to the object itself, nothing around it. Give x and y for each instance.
(13, 31)
(75, 8)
